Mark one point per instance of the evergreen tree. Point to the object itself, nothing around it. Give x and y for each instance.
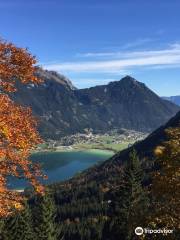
(45, 228)
(19, 226)
(132, 201)
(1, 228)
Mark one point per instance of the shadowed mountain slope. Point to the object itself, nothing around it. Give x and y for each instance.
(95, 193)
(110, 169)
(63, 110)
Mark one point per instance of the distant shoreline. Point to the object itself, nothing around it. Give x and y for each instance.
(72, 149)
(98, 152)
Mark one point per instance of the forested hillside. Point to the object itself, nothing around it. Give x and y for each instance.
(112, 199)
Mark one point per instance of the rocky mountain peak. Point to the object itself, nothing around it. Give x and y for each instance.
(126, 82)
(130, 81)
(53, 76)
(128, 78)
(62, 111)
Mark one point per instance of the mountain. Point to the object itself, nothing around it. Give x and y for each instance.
(62, 109)
(110, 169)
(91, 197)
(49, 76)
(126, 103)
(105, 175)
(174, 99)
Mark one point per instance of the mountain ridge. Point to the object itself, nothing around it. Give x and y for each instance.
(174, 99)
(64, 110)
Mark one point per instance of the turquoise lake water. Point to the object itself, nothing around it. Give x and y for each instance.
(60, 166)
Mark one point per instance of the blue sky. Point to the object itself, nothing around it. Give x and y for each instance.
(94, 42)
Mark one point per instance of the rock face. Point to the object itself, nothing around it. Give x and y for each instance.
(174, 99)
(62, 109)
(54, 76)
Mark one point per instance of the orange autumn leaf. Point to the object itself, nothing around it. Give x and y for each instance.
(18, 134)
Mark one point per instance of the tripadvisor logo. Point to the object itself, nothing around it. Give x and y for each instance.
(139, 231)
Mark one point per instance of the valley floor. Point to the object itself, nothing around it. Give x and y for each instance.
(114, 141)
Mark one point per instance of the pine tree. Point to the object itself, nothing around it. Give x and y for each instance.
(132, 202)
(19, 225)
(45, 228)
(1, 228)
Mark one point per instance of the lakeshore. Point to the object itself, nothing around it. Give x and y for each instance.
(62, 165)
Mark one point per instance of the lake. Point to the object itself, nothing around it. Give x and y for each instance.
(63, 165)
